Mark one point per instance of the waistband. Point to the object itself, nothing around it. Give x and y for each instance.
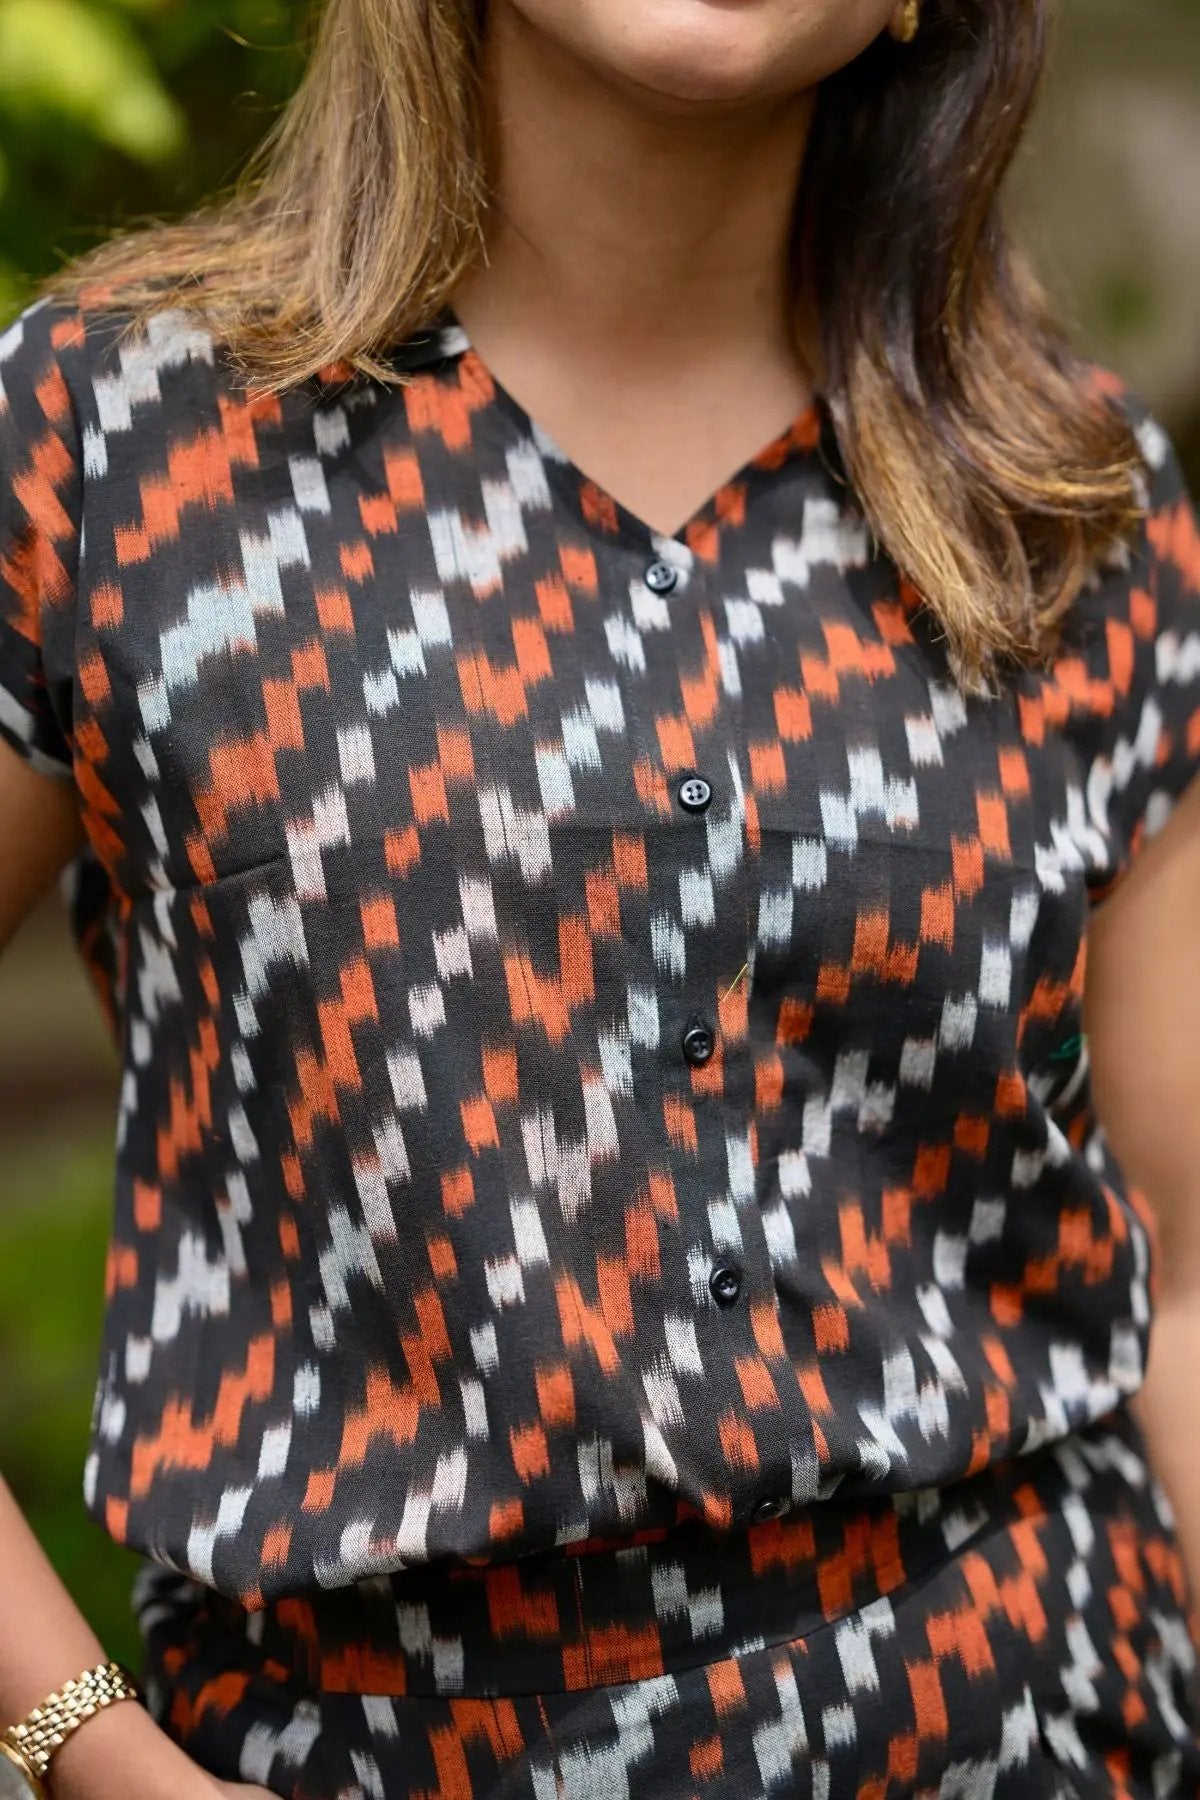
(604, 1614)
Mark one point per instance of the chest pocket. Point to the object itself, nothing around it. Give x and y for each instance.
(315, 722)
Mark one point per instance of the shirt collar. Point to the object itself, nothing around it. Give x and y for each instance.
(441, 341)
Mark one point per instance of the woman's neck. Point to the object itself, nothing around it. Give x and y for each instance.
(619, 215)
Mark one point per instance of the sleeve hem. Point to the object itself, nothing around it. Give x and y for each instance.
(19, 729)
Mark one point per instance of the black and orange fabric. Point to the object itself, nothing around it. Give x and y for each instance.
(607, 1179)
(1018, 1635)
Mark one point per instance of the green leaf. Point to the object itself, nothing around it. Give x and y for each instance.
(60, 56)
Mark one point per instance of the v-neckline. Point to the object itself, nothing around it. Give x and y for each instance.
(802, 437)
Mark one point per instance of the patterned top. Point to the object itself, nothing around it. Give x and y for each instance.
(600, 1012)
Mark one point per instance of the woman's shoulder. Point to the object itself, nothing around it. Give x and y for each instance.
(105, 360)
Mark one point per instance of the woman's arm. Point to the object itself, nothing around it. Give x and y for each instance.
(120, 1754)
(1142, 1016)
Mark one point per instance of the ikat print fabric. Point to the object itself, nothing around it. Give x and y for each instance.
(599, 1012)
(1018, 1635)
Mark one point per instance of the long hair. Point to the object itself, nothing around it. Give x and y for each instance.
(986, 458)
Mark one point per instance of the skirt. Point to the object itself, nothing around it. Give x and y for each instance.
(1025, 1633)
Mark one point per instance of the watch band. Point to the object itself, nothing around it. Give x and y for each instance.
(36, 1738)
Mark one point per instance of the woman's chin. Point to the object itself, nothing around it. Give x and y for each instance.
(683, 55)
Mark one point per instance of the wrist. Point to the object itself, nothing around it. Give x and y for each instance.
(121, 1754)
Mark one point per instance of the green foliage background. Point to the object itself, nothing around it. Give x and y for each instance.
(115, 110)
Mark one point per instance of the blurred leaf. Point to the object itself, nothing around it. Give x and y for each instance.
(67, 57)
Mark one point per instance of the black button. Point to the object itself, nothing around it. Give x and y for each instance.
(662, 578)
(725, 1284)
(698, 1043)
(695, 795)
(771, 1506)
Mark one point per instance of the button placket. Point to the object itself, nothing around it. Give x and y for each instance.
(740, 1279)
(708, 843)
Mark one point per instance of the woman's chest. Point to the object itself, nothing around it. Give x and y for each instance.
(400, 684)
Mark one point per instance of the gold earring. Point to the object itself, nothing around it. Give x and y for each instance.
(904, 27)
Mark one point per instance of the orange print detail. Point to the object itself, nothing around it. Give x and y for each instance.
(515, 1612)
(764, 1322)
(603, 902)
(599, 509)
(486, 688)
(706, 1759)
(381, 931)
(554, 604)
(479, 1124)
(402, 850)
(532, 651)
(725, 1687)
(758, 1390)
(584, 1324)
(403, 473)
(505, 1519)
(530, 1452)
(680, 1122)
(428, 789)
(387, 1411)
(281, 703)
(676, 744)
(1174, 536)
(241, 773)
(931, 1170)
(579, 567)
(629, 861)
(147, 1206)
(458, 1191)
(831, 1327)
(443, 1263)
(276, 1544)
(641, 1242)
(500, 1074)
(793, 715)
(768, 771)
(180, 1443)
(971, 1134)
(992, 814)
(611, 1655)
(357, 561)
(737, 1443)
(928, 1701)
(107, 604)
(650, 786)
(556, 1395)
(1014, 771)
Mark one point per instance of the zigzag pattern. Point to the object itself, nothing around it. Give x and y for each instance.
(601, 1012)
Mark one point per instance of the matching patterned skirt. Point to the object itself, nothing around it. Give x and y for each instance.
(1024, 1633)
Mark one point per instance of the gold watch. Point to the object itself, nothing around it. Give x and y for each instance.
(26, 1748)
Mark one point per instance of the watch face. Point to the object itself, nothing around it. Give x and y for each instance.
(15, 1784)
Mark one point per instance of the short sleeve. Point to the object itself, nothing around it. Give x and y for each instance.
(40, 502)
(1140, 731)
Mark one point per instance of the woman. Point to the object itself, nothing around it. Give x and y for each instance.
(619, 1285)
